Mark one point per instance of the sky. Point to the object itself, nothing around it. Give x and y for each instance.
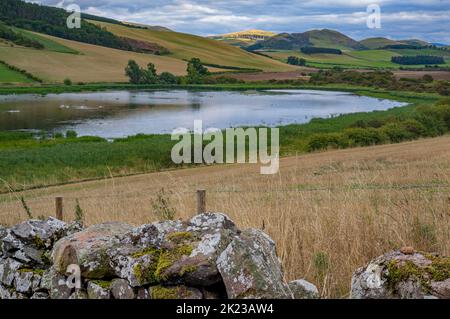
(400, 19)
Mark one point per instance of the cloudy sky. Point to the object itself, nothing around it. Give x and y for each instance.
(423, 19)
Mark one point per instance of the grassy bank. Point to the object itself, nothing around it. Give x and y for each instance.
(27, 163)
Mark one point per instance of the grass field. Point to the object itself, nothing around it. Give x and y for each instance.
(10, 76)
(49, 44)
(329, 213)
(93, 64)
(186, 46)
(358, 59)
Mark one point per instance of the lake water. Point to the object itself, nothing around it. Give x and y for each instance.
(123, 113)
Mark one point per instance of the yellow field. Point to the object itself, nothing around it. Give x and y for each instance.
(94, 64)
(328, 212)
(185, 46)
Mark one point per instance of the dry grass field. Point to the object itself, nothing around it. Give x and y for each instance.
(93, 64)
(329, 212)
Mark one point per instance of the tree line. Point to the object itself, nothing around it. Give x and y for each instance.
(53, 21)
(314, 50)
(418, 59)
(17, 38)
(293, 60)
(196, 74)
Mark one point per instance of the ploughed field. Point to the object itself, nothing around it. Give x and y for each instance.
(329, 212)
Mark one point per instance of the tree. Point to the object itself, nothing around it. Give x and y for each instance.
(196, 71)
(133, 71)
(168, 78)
(149, 76)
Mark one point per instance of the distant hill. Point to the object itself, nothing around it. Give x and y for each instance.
(378, 43)
(332, 39)
(244, 38)
(315, 38)
(148, 27)
(383, 43)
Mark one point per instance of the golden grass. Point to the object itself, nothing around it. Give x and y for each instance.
(186, 46)
(94, 64)
(329, 213)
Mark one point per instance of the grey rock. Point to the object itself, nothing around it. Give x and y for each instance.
(88, 249)
(96, 291)
(206, 236)
(143, 294)
(120, 289)
(137, 265)
(303, 289)
(55, 284)
(151, 235)
(40, 295)
(251, 269)
(8, 269)
(79, 294)
(380, 279)
(26, 282)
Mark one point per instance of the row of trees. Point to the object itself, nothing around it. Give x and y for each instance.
(293, 60)
(418, 59)
(196, 74)
(10, 35)
(314, 50)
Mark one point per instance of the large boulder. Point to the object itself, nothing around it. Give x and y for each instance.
(404, 274)
(190, 257)
(251, 269)
(88, 249)
(173, 252)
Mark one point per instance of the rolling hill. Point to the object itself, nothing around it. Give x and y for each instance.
(316, 38)
(382, 43)
(186, 46)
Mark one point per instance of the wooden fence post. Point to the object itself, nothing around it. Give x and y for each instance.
(59, 208)
(201, 201)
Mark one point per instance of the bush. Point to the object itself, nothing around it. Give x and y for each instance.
(168, 78)
(365, 136)
(397, 132)
(67, 82)
(325, 141)
(71, 134)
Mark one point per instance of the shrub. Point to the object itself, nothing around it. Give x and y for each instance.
(365, 136)
(397, 132)
(67, 82)
(71, 134)
(168, 78)
(326, 141)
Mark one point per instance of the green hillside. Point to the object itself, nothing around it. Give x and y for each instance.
(378, 43)
(317, 38)
(10, 76)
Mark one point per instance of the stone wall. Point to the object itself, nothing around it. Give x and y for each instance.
(206, 257)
